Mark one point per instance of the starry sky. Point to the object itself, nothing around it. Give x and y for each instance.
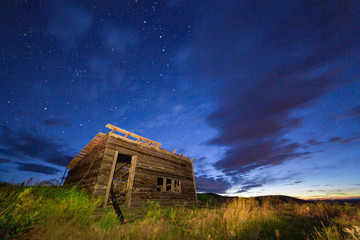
(265, 95)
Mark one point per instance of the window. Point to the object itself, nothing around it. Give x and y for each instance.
(168, 185)
(159, 184)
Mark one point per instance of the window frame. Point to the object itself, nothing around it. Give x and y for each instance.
(168, 185)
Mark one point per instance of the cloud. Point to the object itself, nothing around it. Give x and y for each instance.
(107, 79)
(118, 77)
(264, 109)
(56, 122)
(5, 160)
(207, 184)
(7, 152)
(353, 113)
(99, 65)
(23, 145)
(107, 73)
(329, 192)
(343, 140)
(335, 139)
(242, 158)
(263, 69)
(314, 142)
(246, 188)
(294, 183)
(37, 168)
(175, 2)
(351, 139)
(68, 23)
(120, 40)
(290, 37)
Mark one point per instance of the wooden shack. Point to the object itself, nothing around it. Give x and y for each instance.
(135, 168)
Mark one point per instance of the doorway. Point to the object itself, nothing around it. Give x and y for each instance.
(120, 180)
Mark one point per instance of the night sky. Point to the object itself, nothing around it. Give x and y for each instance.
(265, 95)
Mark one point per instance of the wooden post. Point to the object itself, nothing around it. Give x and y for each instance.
(131, 180)
(172, 185)
(109, 185)
(164, 185)
(192, 167)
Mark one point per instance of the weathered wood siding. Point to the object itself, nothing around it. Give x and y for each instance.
(151, 163)
(85, 173)
(95, 171)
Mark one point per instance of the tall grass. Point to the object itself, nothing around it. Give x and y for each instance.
(67, 213)
(24, 208)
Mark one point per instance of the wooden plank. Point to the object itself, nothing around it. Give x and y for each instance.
(167, 157)
(162, 174)
(87, 169)
(124, 174)
(101, 187)
(110, 178)
(131, 180)
(163, 189)
(194, 182)
(172, 185)
(122, 166)
(173, 196)
(116, 140)
(157, 165)
(127, 133)
(95, 141)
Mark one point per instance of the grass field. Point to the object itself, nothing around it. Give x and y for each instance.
(68, 213)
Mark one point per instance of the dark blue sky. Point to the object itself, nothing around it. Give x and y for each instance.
(265, 95)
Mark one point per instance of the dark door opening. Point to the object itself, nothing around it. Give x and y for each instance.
(120, 178)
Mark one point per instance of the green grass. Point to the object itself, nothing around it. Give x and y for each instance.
(67, 213)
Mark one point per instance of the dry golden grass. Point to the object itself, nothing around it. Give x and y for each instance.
(66, 213)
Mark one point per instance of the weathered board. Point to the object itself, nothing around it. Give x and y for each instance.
(86, 171)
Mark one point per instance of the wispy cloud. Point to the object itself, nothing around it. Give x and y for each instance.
(343, 140)
(68, 23)
(5, 160)
(314, 142)
(120, 40)
(353, 113)
(37, 168)
(205, 184)
(56, 122)
(22, 145)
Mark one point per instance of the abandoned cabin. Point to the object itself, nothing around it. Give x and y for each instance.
(135, 168)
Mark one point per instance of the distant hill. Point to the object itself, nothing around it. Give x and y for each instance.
(279, 199)
(216, 200)
(339, 201)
